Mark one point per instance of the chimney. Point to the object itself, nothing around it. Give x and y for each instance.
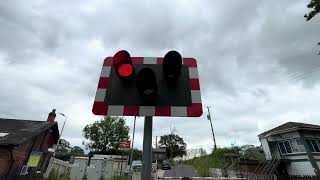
(52, 115)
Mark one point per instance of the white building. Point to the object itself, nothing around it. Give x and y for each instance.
(98, 166)
(120, 163)
(292, 148)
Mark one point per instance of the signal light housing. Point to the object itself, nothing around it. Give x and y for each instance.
(172, 64)
(156, 86)
(123, 65)
(146, 83)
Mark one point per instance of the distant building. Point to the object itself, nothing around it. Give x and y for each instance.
(291, 149)
(158, 154)
(248, 165)
(119, 162)
(24, 146)
(97, 166)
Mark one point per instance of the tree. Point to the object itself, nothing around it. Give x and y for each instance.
(191, 153)
(137, 154)
(76, 151)
(65, 151)
(105, 135)
(251, 152)
(195, 152)
(315, 6)
(202, 151)
(174, 145)
(63, 147)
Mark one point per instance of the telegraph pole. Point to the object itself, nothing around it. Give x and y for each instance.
(209, 118)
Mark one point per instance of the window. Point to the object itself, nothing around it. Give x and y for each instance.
(291, 146)
(288, 147)
(310, 145)
(282, 148)
(313, 146)
(294, 146)
(300, 145)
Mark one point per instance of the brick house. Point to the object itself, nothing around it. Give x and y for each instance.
(248, 165)
(25, 142)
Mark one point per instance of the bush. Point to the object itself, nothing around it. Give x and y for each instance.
(117, 178)
(172, 162)
(214, 160)
(101, 177)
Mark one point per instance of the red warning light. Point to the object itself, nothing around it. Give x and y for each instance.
(125, 70)
(123, 64)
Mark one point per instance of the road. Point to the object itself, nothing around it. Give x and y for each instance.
(180, 171)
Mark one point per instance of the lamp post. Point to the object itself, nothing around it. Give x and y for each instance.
(64, 123)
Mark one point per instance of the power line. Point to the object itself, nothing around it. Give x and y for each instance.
(298, 77)
(301, 76)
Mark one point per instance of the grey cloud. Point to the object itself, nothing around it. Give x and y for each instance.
(51, 55)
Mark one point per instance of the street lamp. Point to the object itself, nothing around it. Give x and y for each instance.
(64, 123)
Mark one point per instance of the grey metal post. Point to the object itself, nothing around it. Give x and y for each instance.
(147, 149)
(121, 163)
(131, 155)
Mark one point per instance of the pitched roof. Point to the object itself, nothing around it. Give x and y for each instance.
(290, 126)
(17, 131)
(158, 150)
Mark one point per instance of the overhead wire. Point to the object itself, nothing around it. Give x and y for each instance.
(299, 77)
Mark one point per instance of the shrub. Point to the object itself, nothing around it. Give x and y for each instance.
(117, 178)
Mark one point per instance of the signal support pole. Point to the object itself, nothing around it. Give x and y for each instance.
(147, 149)
(131, 154)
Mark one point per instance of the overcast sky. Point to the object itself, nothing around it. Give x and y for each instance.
(258, 62)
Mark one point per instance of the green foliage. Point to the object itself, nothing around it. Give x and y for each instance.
(63, 147)
(214, 160)
(65, 151)
(314, 5)
(217, 160)
(172, 162)
(64, 157)
(117, 178)
(251, 152)
(101, 177)
(76, 151)
(202, 151)
(105, 135)
(174, 145)
(137, 154)
(54, 175)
